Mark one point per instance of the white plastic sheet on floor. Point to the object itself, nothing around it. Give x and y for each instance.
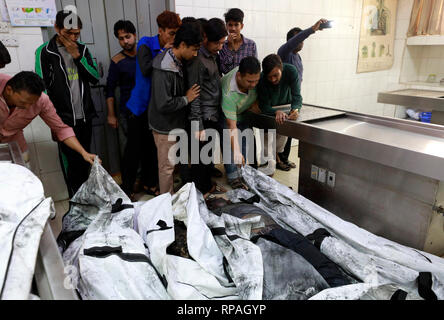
(379, 263)
(24, 212)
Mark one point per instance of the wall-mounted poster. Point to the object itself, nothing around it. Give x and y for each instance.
(32, 13)
(377, 41)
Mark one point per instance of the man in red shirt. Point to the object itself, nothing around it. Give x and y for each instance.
(21, 100)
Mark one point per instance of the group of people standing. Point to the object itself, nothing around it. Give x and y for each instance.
(193, 71)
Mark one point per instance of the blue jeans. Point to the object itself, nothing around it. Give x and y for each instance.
(232, 170)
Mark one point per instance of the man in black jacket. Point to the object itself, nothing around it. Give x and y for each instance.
(68, 68)
(168, 106)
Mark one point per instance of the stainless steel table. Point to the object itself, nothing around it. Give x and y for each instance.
(385, 175)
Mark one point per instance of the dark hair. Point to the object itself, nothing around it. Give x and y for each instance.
(293, 32)
(270, 62)
(27, 81)
(215, 29)
(190, 33)
(62, 23)
(124, 25)
(5, 58)
(188, 20)
(169, 19)
(235, 14)
(250, 65)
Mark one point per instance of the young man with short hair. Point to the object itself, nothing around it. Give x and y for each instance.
(21, 101)
(238, 96)
(237, 47)
(279, 85)
(122, 75)
(141, 148)
(206, 109)
(168, 108)
(289, 53)
(67, 68)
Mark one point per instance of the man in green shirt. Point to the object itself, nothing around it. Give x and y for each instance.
(238, 96)
(279, 85)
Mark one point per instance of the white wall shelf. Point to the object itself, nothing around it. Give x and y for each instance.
(425, 41)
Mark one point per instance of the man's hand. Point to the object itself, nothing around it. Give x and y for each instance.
(232, 37)
(281, 117)
(113, 122)
(255, 108)
(193, 93)
(200, 135)
(239, 159)
(88, 157)
(294, 115)
(168, 46)
(71, 46)
(317, 26)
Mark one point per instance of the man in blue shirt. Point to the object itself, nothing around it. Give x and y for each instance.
(141, 149)
(289, 53)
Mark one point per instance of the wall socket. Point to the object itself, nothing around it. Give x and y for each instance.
(314, 172)
(4, 27)
(331, 179)
(9, 41)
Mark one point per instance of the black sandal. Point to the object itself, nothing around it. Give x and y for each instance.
(282, 166)
(238, 184)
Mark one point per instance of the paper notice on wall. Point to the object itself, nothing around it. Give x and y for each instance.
(32, 13)
(377, 41)
(4, 11)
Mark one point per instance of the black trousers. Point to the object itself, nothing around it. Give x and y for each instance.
(140, 152)
(201, 173)
(75, 169)
(285, 156)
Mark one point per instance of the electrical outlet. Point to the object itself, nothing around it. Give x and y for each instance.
(314, 172)
(4, 27)
(322, 177)
(331, 179)
(9, 41)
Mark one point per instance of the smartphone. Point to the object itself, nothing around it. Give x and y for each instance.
(326, 25)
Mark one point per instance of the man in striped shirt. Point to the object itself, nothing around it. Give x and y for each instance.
(238, 96)
(237, 46)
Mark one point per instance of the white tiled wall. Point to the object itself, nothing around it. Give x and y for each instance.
(330, 56)
(43, 151)
(421, 61)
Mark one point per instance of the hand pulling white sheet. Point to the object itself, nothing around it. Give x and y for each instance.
(24, 212)
(110, 257)
(370, 258)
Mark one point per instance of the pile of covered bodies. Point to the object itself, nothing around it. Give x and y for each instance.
(24, 213)
(268, 244)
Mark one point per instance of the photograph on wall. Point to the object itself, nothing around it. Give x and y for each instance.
(377, 40)
(32, 13)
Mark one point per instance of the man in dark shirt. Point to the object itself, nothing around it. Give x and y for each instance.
(206, 109)
(289, 53)
(122, 74)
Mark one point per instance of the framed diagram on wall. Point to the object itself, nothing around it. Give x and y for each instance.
(377, 40)
(32, 13)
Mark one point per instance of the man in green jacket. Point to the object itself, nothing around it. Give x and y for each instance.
(279, 85)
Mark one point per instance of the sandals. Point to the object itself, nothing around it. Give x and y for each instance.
(150, 192)
(292, 165)
(282, 166)
(237, 184)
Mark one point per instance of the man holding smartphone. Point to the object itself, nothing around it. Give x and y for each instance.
(289, 53)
